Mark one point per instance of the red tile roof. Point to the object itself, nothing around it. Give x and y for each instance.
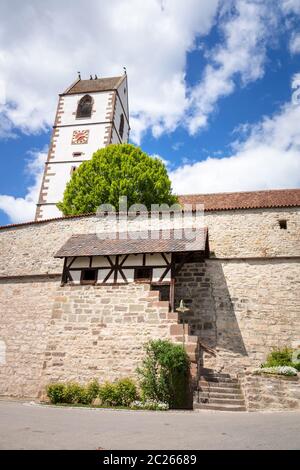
(279, 198)
(244, 200)
(95, 85)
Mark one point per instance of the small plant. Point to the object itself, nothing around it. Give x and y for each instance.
(107, 394)
(279, 357)
(149, 405)
(55, 392)
(277, 370)
(126, 391)
(164, 373)
(74, 393)
(120, 393)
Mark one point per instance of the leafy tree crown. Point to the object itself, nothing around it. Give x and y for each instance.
(115, 171)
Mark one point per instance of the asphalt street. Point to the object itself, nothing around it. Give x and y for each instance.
(31, 426)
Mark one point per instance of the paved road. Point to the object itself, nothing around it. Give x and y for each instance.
(29, 426)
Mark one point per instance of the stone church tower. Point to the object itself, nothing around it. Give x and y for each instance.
(91, 114)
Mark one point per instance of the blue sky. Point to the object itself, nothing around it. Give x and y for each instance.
(210, 88)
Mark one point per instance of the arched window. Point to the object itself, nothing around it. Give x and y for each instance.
(84, 109)
(121, 126)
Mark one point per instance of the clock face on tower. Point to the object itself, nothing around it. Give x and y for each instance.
(80, 137)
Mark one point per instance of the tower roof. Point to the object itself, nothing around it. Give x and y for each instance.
(94, 85)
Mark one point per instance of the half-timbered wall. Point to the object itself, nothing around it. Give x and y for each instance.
(118, 269)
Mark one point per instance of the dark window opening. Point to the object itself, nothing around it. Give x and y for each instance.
(89, 275)
(84, 109)
(164, 291)
(143, 274)
(283, 224)
(121, 126)
(73, 168)
(77, 154)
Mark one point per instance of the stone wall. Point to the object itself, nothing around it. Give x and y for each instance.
(264, 392)
(241, 308)
(99, 331)
(53, 333)
(25, 315)
(232, 234)
(243, 301)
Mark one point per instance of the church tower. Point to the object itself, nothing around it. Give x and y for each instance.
(91, 114)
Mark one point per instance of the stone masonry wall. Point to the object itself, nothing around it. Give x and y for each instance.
(232, 234)
(55, 333)
(241, 309)
(25, 313)
(99, 332)
(265, 392)
(244, 300)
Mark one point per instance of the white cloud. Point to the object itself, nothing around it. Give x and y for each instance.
(268, 159)
(22, 209)
(42, 48)
(246, 32)
(291, 6)
(295, 44)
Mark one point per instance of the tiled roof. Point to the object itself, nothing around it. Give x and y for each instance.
(161, 241)
(244, 200)
(216, 202)
(90, 86)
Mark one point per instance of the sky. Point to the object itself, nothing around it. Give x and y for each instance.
(214, 88)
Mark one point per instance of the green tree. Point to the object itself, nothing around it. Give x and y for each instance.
(115, 171)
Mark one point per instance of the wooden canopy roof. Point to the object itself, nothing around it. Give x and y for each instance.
(121, 243)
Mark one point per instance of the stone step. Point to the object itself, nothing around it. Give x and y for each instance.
(216, 375)
(204, 383)
(208, 406)
(219, 395)
(223, 401)
(218, 379)
(224, 391)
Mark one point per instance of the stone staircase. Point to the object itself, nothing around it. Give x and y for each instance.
(218, 391)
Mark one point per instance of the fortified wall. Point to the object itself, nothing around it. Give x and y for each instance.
(243, 300)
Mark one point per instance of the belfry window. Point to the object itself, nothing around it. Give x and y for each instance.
(84, 108)
(121, 126)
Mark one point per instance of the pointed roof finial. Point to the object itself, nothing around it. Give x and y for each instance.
(125, 71)
(91, 78)
(96, 77)
(79, 75)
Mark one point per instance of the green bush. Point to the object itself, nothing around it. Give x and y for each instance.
(120, 393)
(126, 392)
(279, 357)
(55, 393)
(164, 373)
(107, 394)
(74, 393)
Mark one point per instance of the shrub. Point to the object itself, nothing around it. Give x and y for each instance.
(164, 373)
(74, 393)
(279, 357)
(55, 392)
(120, 393)
(107, 394)
(126, 392)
